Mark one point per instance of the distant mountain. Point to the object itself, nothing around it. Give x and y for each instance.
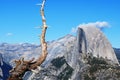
(69, 57)
(15, 51)
(10, 52)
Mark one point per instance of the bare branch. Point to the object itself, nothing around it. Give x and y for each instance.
(21, 65)
(43, 56)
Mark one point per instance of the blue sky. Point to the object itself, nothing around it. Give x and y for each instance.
(19, 19)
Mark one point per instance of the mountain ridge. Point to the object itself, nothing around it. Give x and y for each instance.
(68, 51)
(4, 50)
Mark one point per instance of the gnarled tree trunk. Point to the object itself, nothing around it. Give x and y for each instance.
(21, 65)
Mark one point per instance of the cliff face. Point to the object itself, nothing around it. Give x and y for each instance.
(1, 63)
(62, 61)
(72, 58)
(4, 69)
(92, 40)
(69, 58)
(117, 52)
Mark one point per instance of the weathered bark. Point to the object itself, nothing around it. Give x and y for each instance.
(21, 65)
(43, 56)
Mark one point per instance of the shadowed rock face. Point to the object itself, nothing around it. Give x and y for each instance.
(92, 40)
(117, 52)
(81, 41)
(4, 69)
(1, 63)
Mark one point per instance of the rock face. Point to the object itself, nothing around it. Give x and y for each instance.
(61, 62)
(65, 60)
(117, 52)
(92, 40)
(4, 69)
(1, 63)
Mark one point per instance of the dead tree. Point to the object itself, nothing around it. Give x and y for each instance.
(22, 65)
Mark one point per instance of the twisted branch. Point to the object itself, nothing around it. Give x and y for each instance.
(43, 56)
(21, 65)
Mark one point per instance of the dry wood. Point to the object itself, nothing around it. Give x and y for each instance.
(22, 65)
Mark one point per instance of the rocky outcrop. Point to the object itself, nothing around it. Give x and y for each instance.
(92, 40)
